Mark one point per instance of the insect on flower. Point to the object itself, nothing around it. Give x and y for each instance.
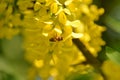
(56, 38)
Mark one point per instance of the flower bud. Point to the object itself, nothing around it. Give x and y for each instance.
(54, 7)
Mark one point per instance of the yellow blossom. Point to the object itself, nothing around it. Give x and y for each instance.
(37, 6)
(38, 63)
(54, 7)
(62, 17)
(48, 27)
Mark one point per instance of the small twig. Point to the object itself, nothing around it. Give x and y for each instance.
(89, 57)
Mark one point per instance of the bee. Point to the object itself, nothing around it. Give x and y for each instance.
(56, 38)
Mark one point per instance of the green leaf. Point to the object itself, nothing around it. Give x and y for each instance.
(109, 5)
(111, 20)
(112, 39)
(112, 23)
(115, 12)
(101, 55)
(113, 55)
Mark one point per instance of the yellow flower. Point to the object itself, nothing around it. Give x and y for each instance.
(54, 7)
(48, 27)
(109, 67)
(62, 18)
(8, 22)
(51, 44)
(37, 6)
(38, 63)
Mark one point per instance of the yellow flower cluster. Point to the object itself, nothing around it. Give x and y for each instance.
(8, 21)
(48, 27)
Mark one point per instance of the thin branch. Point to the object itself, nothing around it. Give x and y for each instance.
(89, 57)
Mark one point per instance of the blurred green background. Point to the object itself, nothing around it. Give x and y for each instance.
(14, 67)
